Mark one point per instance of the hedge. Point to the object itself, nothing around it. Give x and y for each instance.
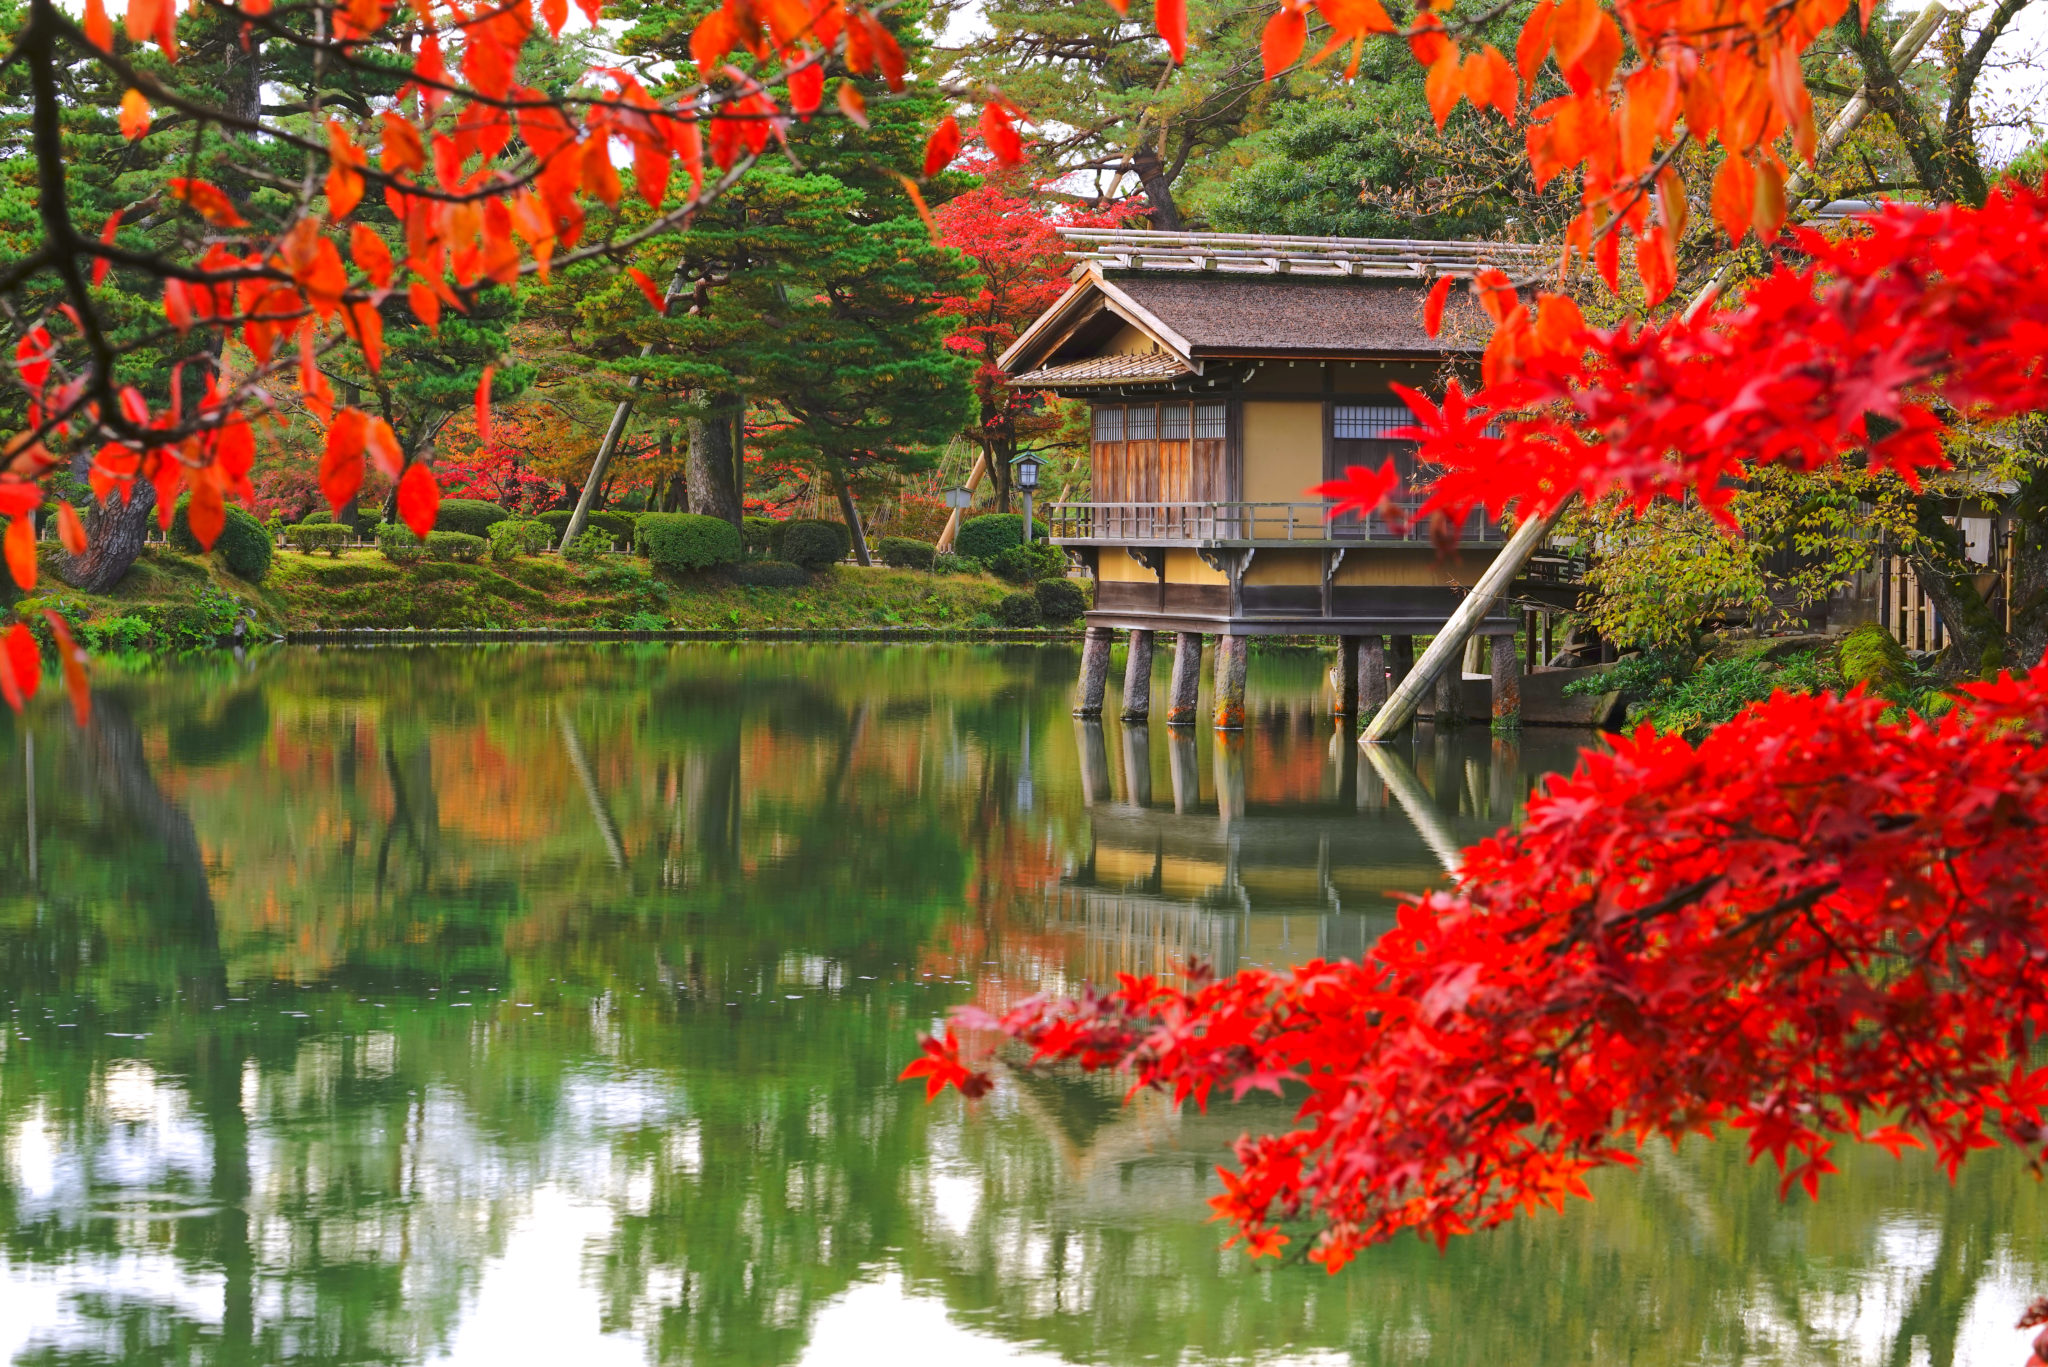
(519, 537)
(688, 541)
(317, 515)
(312, 536)
(618, 526)
(471, 516)
(1029, 564)
(456, 546)
(760, 534)
(1018, 610)
(905, 553)
(814, 545)
(1060, 601)
(987, 536)
(244, 543)
(399, 545)
(769, 574)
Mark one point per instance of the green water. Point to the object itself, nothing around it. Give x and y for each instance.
(543, 1006)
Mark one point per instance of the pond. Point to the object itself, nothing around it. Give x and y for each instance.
(537, 1005)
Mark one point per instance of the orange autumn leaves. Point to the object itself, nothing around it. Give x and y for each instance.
(1705, 69)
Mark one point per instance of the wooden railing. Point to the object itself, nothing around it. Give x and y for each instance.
(1197, 524)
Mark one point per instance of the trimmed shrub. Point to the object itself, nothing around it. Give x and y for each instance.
(244, 543)
(759, 534)
(399, 545)
(313, 536)
(987, 536)
(317, 515)
(469, 516)
(1018, 610)
(457, 546)
(1029, 564)
(1060, 601)
(954, 564)
(593, 545)
(617, 526)
(769, 574)
(688, 541)
(814, 545)
(518, 537)
(904, 553)
(556, 519)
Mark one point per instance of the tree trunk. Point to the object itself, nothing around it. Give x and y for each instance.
(1978, 646)
(116, 531)
(711, 462)
(852, 512)
(1158, 185)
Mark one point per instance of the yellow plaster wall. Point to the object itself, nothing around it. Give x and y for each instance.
(1285, 567)
(1128, 341)
(1115, 566)
(1185, 567)
(1414, 566)
(1283, 450)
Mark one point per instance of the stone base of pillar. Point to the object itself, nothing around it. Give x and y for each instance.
(1138, 678)
(1507, 684)
(1094, 672)
(1347, 676)
(1184, 694)
(1450, 697)
(1233, 654)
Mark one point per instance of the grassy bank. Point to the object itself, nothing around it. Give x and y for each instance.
(172, 600)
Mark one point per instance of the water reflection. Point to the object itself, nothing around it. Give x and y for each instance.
(538, 1005)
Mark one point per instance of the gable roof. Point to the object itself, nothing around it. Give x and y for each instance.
(1204, 296)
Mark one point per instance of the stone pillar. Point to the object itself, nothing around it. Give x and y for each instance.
(1094, 672)
(1138, 763)
(1507, 684)
(1183, 697)
(1404, 660)
(1347, 676)
(1233, 653)
(1450, 696)
(1138, 678)
(1372, 674)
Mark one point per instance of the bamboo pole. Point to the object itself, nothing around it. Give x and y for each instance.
(953, 523)
(1450, 642)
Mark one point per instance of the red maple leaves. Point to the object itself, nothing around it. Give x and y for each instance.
(1816, 925)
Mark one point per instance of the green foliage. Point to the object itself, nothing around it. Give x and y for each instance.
(399, 545)
(954, 564)
(244, 543)
(317, 515)
(1060, 601)
(313, 536)
(459, 547)
(814, 544)
(1870, 656)
(905, 552)
(592, 546)
(1018, 610)
(472, 516)
(1670, 695)
(1029, 563)
(516, 537)
(987, 536)
(1640, 675)
(769, 574)
(760, 534)
(688, 541)
(618, 526)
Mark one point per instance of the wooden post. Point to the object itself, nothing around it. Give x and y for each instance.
(1183, 695)
(1507, 684)
(1404, 661)
(1347, 676)
(1138, 678)
(952, 530)
(1232, 655)
(1094, 672)
(1450, 697)
(1372, 674)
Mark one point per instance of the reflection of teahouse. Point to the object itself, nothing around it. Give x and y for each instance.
(1227, 375)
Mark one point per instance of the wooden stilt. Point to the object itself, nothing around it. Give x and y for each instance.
(1347, 676)
(1372, 674)
(1507, 684)
(1233, 653)
(1184, 693)
(1450, 698)
(1138, 678)
(1094, 672)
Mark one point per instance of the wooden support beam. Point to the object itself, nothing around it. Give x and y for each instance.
(1233, 655)
(1138, 678)
(1183, 697)
(1094, 672)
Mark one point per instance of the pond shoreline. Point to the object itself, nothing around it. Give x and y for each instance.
(564, 635)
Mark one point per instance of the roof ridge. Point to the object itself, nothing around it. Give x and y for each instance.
(1277, 254)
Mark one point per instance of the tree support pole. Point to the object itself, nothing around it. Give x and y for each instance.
(947, 537)
(1138, 678)
(1094, 672)
(616, 432)
(1183, 696)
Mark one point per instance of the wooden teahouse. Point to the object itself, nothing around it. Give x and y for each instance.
(1228, 375)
